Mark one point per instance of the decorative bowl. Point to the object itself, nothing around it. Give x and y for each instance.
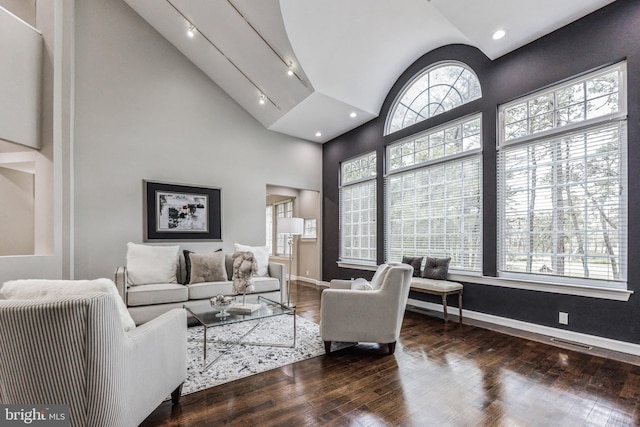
(222, 303)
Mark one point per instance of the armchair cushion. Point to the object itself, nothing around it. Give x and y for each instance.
(361, 284)
(148, 264)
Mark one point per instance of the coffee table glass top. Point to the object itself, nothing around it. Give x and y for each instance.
(206, 314)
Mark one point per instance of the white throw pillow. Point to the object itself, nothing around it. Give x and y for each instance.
(361, 285)
(52, 289)
(376, 280)
(148, 264)
(261, 255)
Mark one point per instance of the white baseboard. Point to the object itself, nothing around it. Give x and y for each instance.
(306, 279)
(585, 339)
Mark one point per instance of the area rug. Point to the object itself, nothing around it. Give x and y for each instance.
(245, 360)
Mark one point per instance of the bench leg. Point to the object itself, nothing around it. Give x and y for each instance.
(444, 306)
(460, 307)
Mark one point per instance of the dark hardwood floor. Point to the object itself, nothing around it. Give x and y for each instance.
(440, 375)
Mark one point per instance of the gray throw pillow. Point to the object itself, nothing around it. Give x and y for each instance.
(207, 267)
(436, 268)
(415, 262)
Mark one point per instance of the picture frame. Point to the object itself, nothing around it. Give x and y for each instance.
(182, 212)
(309, 229)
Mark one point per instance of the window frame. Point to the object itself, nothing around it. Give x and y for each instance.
(362, 181)
(472, 153)
(409, 84)
(550, 136)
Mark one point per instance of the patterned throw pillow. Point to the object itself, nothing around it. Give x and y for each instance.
(208, 268)
(415, 262)
(436, 268)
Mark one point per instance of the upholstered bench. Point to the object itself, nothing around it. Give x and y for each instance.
(443, 288)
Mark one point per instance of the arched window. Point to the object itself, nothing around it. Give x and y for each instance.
(435, 90)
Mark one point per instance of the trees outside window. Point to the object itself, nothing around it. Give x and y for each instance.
(562, 182)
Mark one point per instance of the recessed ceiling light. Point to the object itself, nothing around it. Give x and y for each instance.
(498, 34)
(318, 134)
(191, 32)
(353, 114)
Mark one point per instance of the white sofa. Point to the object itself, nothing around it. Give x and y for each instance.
(145, 302)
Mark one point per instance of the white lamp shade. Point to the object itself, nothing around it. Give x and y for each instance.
(290, 225)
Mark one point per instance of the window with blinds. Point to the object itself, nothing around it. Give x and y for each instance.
(358, 210)
(562, 183)
(283, 210)
(433, 195)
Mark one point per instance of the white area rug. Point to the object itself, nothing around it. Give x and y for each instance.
(245, 360)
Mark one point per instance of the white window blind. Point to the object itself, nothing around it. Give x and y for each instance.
(562, 190)
(269, 228)
(358, 210)
(433, 194)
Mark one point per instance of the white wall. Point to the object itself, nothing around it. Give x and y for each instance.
(143, 111)
(16, 226)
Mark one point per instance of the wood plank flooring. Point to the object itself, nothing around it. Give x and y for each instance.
(440, 375)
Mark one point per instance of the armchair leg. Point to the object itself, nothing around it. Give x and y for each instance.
(392, 347)
(175, 394)
(327, 347)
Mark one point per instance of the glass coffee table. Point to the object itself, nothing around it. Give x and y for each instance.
(207, 317)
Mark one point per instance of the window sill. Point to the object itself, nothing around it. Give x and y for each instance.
(555, 288)
(357, 266)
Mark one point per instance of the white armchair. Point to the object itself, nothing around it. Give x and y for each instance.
(349, 315)
(74, 350)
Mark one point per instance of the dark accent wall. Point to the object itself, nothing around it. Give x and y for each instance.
(604, 37)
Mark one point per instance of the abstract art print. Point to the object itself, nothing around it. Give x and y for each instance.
(182, 212)
(179, 212)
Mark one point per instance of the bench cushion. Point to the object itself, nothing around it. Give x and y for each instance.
(156, 294)
(434, 285)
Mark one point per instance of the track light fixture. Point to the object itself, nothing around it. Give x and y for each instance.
(191, 32)
(262, 99)
(290, 70)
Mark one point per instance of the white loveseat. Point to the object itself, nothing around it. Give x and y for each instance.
(148, 301)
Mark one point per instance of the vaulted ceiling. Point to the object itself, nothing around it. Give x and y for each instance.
(344, 55)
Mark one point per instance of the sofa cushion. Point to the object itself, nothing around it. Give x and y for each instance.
(209, 289)
(207, 268)
(48, 289)
(261, 254)
(415, 262)
(148, 264)
(159, 293)
(187, 265)
(265, 284)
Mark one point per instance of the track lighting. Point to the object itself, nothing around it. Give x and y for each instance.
(263, 99)
(290, 70)
(191, 32)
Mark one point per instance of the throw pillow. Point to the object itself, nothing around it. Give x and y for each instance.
(51, 289)
(361, 285)
(415, 262)
(261, 254)
(436, 268)
(378, 276)
(208, 268)
(187, 266)
(148, 264)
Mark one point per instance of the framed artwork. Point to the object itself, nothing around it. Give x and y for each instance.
(182, 212)
(309, 229)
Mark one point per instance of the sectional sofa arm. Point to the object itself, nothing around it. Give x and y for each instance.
(121, 282)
